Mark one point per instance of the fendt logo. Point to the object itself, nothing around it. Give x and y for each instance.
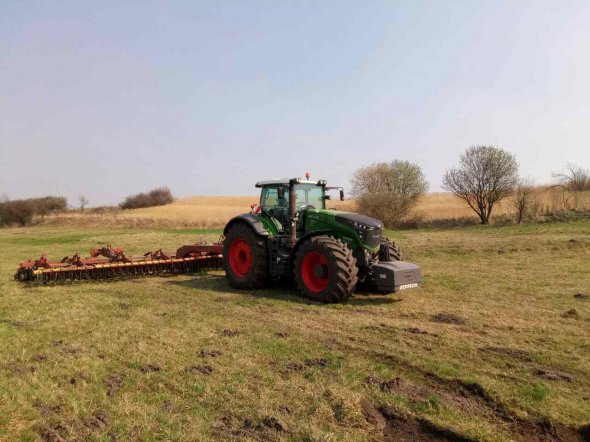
(408, 276)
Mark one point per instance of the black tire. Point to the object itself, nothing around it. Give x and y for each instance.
(252, 276)
(332, 257)
(395, 252)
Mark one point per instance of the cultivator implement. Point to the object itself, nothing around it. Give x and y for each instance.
(112, 263)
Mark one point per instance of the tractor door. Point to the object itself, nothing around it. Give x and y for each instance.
(275, 202)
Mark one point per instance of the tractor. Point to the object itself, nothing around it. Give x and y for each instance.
(290, 234)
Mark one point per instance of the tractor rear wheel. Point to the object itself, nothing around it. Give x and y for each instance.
(325, 270)
(245, 258)
(395, 252)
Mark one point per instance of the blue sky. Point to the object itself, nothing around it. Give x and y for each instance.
(109, 98)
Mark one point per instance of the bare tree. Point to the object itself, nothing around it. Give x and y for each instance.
(83, 202)
(486, 175)
(524, 199)
(574, 179)
(388, 191)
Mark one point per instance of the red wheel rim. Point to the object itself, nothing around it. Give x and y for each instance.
(240, 257)
(314, 272)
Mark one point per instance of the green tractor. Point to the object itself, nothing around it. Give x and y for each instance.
(328, 252)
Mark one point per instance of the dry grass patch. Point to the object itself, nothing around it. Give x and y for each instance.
(187, 357)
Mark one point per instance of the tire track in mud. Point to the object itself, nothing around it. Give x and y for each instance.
(471, 398)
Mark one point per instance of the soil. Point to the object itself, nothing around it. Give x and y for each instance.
(294, 366)
(405, 428)
(553, 375)
(113, 383)
(150, 368)
(581, 296)
(281, 335)
(471, 398)
(417, 331)
(97, 423)
(448, 318)
(230, 333)
(571, 313)
(209, 354)
(203, 369)
(51, 434)
(319, 362)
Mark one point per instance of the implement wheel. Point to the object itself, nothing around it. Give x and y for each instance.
(245, 258)
(325, 270)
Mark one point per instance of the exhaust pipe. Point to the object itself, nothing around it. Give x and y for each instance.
(293, 211)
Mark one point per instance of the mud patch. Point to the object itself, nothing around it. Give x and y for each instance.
(113, 383)
(571, 314)
(47, 410)
(274, 424)
(40, 357)
(230, 333)
(97, 423)
(55, 433)
(294, 366)
(418, 331)
(203, 369)
(209, 354)
(473, 399)
(553, 375)
(373, 416)
(18, 369)
(447, 318)
(318, 362)
(150, 368)
(405, 428)
(266, 430)
(513, 353)
(282, 335)
(581, 297)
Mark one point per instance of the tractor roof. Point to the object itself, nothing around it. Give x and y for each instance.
(285, 182)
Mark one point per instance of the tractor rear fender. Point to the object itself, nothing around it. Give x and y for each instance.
(250, 219)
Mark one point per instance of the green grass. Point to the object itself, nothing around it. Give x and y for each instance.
(92, 361)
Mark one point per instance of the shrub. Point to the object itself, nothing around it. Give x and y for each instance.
(16, 212)
(387, 191)
(22, 211)
(155, 197)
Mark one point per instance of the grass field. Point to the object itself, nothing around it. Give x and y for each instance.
(208, 211)
(495, 345)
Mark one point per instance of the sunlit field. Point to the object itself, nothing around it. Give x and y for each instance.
(492, 347)
(211, 212)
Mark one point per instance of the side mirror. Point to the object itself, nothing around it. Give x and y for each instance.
(341, 194)
(281, 193)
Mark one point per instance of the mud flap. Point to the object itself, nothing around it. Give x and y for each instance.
(393, 276)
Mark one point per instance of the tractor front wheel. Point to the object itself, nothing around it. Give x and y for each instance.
(245, 258)
(390, 251)
(325, 270)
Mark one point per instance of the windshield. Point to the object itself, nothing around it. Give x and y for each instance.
(306, 195)
(310, 195)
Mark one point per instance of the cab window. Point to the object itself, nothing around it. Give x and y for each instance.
(270, 198)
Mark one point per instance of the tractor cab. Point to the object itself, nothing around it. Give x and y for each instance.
(309, 195)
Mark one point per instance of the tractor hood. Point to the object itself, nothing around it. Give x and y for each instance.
(352, 218)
